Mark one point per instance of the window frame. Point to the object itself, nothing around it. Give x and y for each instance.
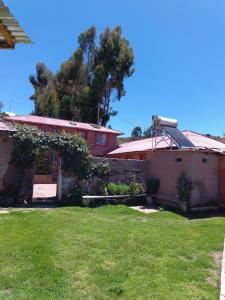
(179, 159)
(205, 160)
(102, 134)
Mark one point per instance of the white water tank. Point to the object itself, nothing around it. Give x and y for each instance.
(163, 121)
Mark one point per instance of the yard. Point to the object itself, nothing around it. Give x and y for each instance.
(108, 253)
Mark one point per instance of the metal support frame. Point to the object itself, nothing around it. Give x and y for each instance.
(160, 135)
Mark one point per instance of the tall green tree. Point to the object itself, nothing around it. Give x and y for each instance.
(113, 63)
(136, 132)
(89, 81)
(1, 106)
(45, 96)
(148, 132)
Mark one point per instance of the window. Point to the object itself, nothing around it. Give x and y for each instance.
(178, 159)
(205, 160)
(82, 134)
(101, 139)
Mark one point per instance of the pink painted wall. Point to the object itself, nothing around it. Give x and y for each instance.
(221, 174)
(90, 137)
(163, 165)
(9, 172)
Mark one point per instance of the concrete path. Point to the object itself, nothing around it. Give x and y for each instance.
(222, 292)
(44, 190)
(145, 209)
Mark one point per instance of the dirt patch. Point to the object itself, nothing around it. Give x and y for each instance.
(217, 257)
(4, 211)
(145, 209)
(214, 278)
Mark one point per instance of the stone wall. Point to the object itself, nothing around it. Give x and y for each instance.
(121, 170)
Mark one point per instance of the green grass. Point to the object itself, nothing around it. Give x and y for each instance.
(108, 253)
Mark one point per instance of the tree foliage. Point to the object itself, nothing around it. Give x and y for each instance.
(136, 132)
(45, 97)
(88, 82)
(147, 132)
(1, 106)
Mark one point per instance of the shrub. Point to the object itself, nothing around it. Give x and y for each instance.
(152, 186)
(129, 201)
(112, 189)
(132, 189)
(184, 187)
(75, 194)
(117, 189)
(122, 189)
(136, 189)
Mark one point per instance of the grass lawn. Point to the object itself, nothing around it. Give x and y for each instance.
(108, 253)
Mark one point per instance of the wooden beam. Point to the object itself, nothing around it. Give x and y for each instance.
(9, 39)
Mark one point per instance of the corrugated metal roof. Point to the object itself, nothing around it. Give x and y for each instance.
(31, 119)
(5, 127)
(141, 145)
(203, 142)
(198, 140)
(10, 26)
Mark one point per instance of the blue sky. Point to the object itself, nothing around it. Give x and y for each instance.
(179, 48)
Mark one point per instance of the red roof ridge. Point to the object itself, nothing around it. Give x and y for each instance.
(37, 120)
(202, 134)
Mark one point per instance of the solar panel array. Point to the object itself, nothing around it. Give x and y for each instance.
(179, 139)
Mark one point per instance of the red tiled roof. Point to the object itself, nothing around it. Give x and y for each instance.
(200, 141)
(5, 127)
(31, 119)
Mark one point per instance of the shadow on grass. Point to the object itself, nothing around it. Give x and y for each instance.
(196, 214)
(53, 203)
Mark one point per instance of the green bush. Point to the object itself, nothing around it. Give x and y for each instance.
(136, 189)
(112, 189)
(75, 194)
(132, 189)
(152, 186)
(129, 201)
(122, 189)
(117, 189)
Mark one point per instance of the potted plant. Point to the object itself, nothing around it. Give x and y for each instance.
(184, 187)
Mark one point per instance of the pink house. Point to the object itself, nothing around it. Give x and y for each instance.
(101, 139)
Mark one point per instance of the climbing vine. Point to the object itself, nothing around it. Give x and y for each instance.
(184, 187)
(73, 150)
